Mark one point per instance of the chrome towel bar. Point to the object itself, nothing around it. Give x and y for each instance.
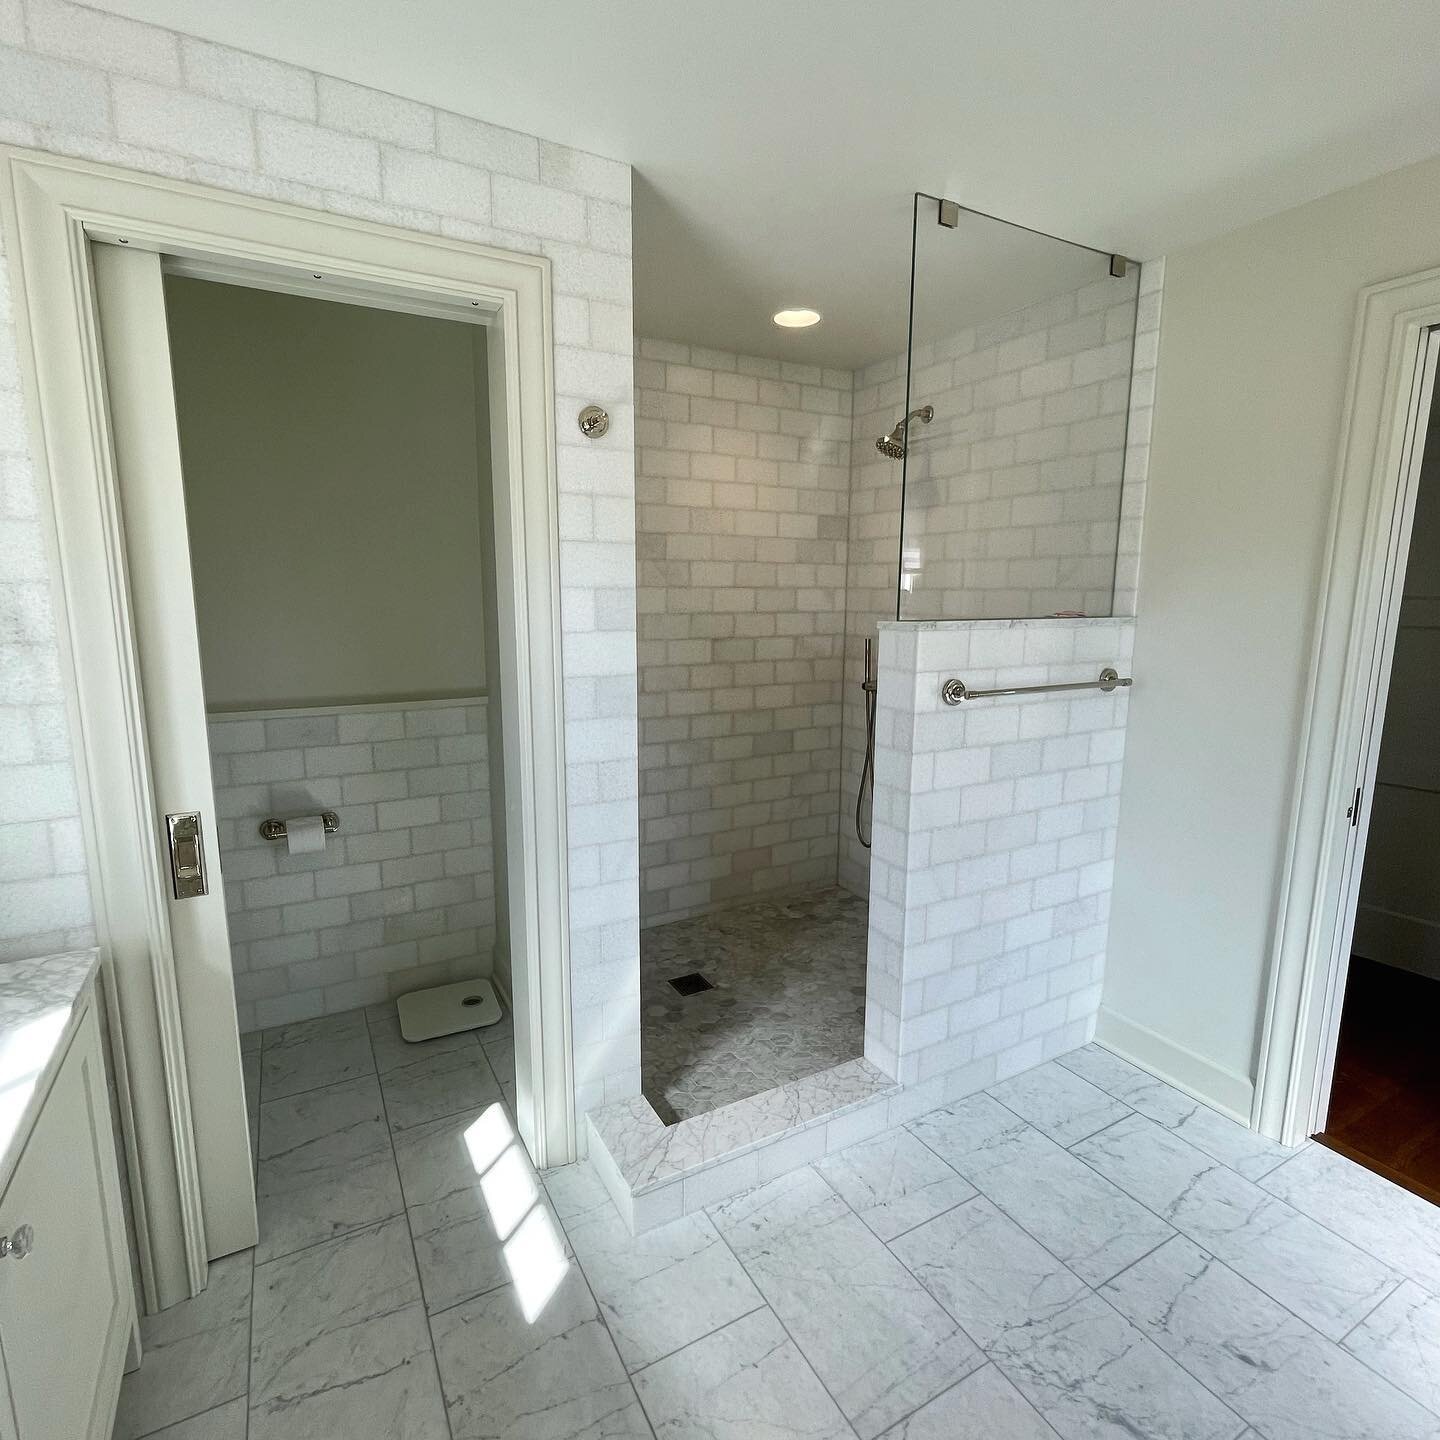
(275, 829)
(953, 691)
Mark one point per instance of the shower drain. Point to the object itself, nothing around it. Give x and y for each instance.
(691, 984)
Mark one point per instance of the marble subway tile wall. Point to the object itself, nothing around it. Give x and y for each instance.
(873, 560)
(1013, 491)
(743, 494)
(403, 896)
(994, 844)
(81, 83)
(875, 518)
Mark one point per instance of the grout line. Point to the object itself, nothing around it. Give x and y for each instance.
(414, 1254)
(799, 1350)
(1094, 1290)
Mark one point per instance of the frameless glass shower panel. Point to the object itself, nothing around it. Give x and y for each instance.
(1012, 439)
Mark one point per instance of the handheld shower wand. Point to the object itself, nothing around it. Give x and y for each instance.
(867, 770)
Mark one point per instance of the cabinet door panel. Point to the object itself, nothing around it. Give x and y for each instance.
(61, 1307)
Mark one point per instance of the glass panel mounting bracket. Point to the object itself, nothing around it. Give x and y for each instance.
(950, 214)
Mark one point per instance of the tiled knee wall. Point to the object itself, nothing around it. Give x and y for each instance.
(994, 844)
(402, 897)
(743, 489)
(1084, 336)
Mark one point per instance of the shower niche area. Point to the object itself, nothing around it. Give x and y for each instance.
(958, 456)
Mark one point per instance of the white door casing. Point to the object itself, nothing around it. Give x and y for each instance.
(57, 213)
(1338, 744)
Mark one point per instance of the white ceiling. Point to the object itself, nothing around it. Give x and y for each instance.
(777, 142)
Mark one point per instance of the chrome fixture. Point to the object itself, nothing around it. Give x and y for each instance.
(275, 829)
(867, 770)
(18, 1245)
(954, 692)
(893, 444)
(187, 855)
(949, 215)
(593, 421)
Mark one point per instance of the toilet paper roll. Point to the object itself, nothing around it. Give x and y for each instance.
(305, 834)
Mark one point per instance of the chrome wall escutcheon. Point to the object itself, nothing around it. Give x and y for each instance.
(594, 422)
(19, 1244)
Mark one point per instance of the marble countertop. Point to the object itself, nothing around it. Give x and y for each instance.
(39, 1005)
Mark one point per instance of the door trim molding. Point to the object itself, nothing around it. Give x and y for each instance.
(1368, 515)
(53, 208)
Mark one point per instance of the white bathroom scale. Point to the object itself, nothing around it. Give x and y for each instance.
(448, 1009)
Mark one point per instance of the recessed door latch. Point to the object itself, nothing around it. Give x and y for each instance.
(187, 855)
(1353, 813)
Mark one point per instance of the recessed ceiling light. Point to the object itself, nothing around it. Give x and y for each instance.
(800, 318)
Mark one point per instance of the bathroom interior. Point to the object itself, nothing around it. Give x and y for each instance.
(336, 463)
(954, 449)
(917, 1030)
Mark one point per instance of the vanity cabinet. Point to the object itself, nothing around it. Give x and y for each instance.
(67, 1308)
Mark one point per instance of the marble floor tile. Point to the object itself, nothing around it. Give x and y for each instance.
(1272, 1369)
(1322, 1278)
(1090, 1224)
(393, 1051)
(196, 1355)
(878, 1341)
(250, 1072)
(987, 1272)
(1058, 1103)
(1390, 1223)
(1400, 1339)
(889, 1263)
(660, 1290)
(1103, 1068)
(325, 1166)
(224, 1422)
(1075, 1360)
(455, 1082)
(312, 1053)
(894, 1182)
(556, 1378)
(1226, 1140)
(456, 1244)
(743, 1382)
(341, 1345)
(575, 1190)
(1091, 1373)
(788, 999)
(983, 1406)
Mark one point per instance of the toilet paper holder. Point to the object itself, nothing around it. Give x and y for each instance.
(273, 829)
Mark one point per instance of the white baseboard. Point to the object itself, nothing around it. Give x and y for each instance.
(1225, 1090)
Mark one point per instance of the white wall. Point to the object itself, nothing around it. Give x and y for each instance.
(97, 86)
(1398, 921)
(333, 491)
(1253, 367)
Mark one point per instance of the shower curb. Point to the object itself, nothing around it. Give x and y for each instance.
(656, 1173)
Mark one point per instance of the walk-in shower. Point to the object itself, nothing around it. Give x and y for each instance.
(776, 534)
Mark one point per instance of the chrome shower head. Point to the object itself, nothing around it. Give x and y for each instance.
(893, 444)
